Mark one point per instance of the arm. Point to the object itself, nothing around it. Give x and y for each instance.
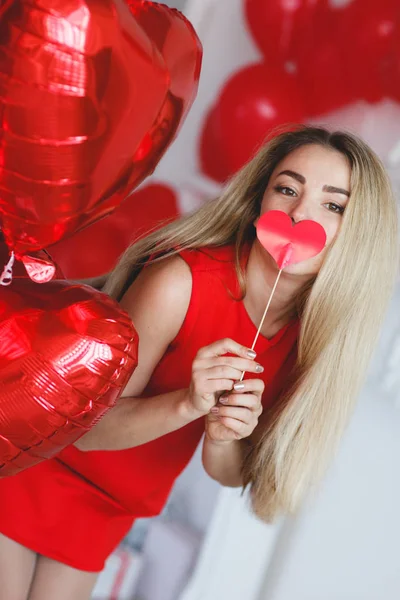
(231, 429)
(223, 461)
(157, 302)
(136, 421)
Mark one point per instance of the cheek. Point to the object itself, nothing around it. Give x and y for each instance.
(331, 230)
(270, 202)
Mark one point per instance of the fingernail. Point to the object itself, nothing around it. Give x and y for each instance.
(238, 386)
(214, 409)
(259, 369)
(224, 399)
(251, 354)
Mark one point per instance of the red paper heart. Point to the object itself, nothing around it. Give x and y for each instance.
(82, 87)
(66, 352)
(286, 243)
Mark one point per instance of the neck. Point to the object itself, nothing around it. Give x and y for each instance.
(261, 274)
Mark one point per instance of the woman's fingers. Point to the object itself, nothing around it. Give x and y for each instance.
(240, 364)
(255, 386)
(213, 372)
(249, 401)
(225, 346)
(220, 372)
(240, 413)
(240, 428)
(203, 384)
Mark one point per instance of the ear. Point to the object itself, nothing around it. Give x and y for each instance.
(256, 221)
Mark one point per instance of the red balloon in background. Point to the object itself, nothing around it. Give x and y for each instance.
(277, 24)
(82, 88)
(368, 31)
(321, 64)
(391, 75)
(253, 102)
(212, 159)
(338, 56)
(95, 250)
(66, 353)
(322, 76)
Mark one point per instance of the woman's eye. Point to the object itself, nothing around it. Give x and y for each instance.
(335, 208)
(285, 190)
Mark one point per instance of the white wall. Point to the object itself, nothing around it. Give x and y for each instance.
(179, 4)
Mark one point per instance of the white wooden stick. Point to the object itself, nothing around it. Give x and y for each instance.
(263, 317)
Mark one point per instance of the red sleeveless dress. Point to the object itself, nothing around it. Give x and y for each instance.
(77, 507)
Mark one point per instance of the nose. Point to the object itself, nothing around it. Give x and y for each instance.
(299, 211)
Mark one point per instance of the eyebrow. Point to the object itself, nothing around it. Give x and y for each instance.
(326, 188)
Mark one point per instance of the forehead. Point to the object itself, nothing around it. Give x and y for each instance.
(317, 163)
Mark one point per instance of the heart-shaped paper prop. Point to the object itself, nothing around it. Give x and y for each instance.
(286, 243)
(66, 352)
(82, 85)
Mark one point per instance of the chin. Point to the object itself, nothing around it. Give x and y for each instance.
(302, 270)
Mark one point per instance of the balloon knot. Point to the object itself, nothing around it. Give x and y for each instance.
(7, 274)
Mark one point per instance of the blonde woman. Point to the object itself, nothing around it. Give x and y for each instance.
(196, 291)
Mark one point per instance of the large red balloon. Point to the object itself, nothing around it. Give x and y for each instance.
(320, 62)
(322, 76)
(82, 87)
(368, 31)
(181, 50)
(96, 249)
(66, 353)
(340, 54)
(253, 102)
(391, 73)
(212, 158)
(277, 25)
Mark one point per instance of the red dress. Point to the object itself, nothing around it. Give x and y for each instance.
(77, 507)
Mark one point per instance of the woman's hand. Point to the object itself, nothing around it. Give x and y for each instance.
(237, 413)
(213, 374)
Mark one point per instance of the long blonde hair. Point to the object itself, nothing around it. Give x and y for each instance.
(340, 318)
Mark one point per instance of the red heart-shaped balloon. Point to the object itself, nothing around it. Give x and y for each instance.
(82, 87)
(66, 353)
(149, 207)
(181, 50)
(287, 243)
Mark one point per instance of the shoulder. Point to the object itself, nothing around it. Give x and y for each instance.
(161, 291)
(157, 302)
